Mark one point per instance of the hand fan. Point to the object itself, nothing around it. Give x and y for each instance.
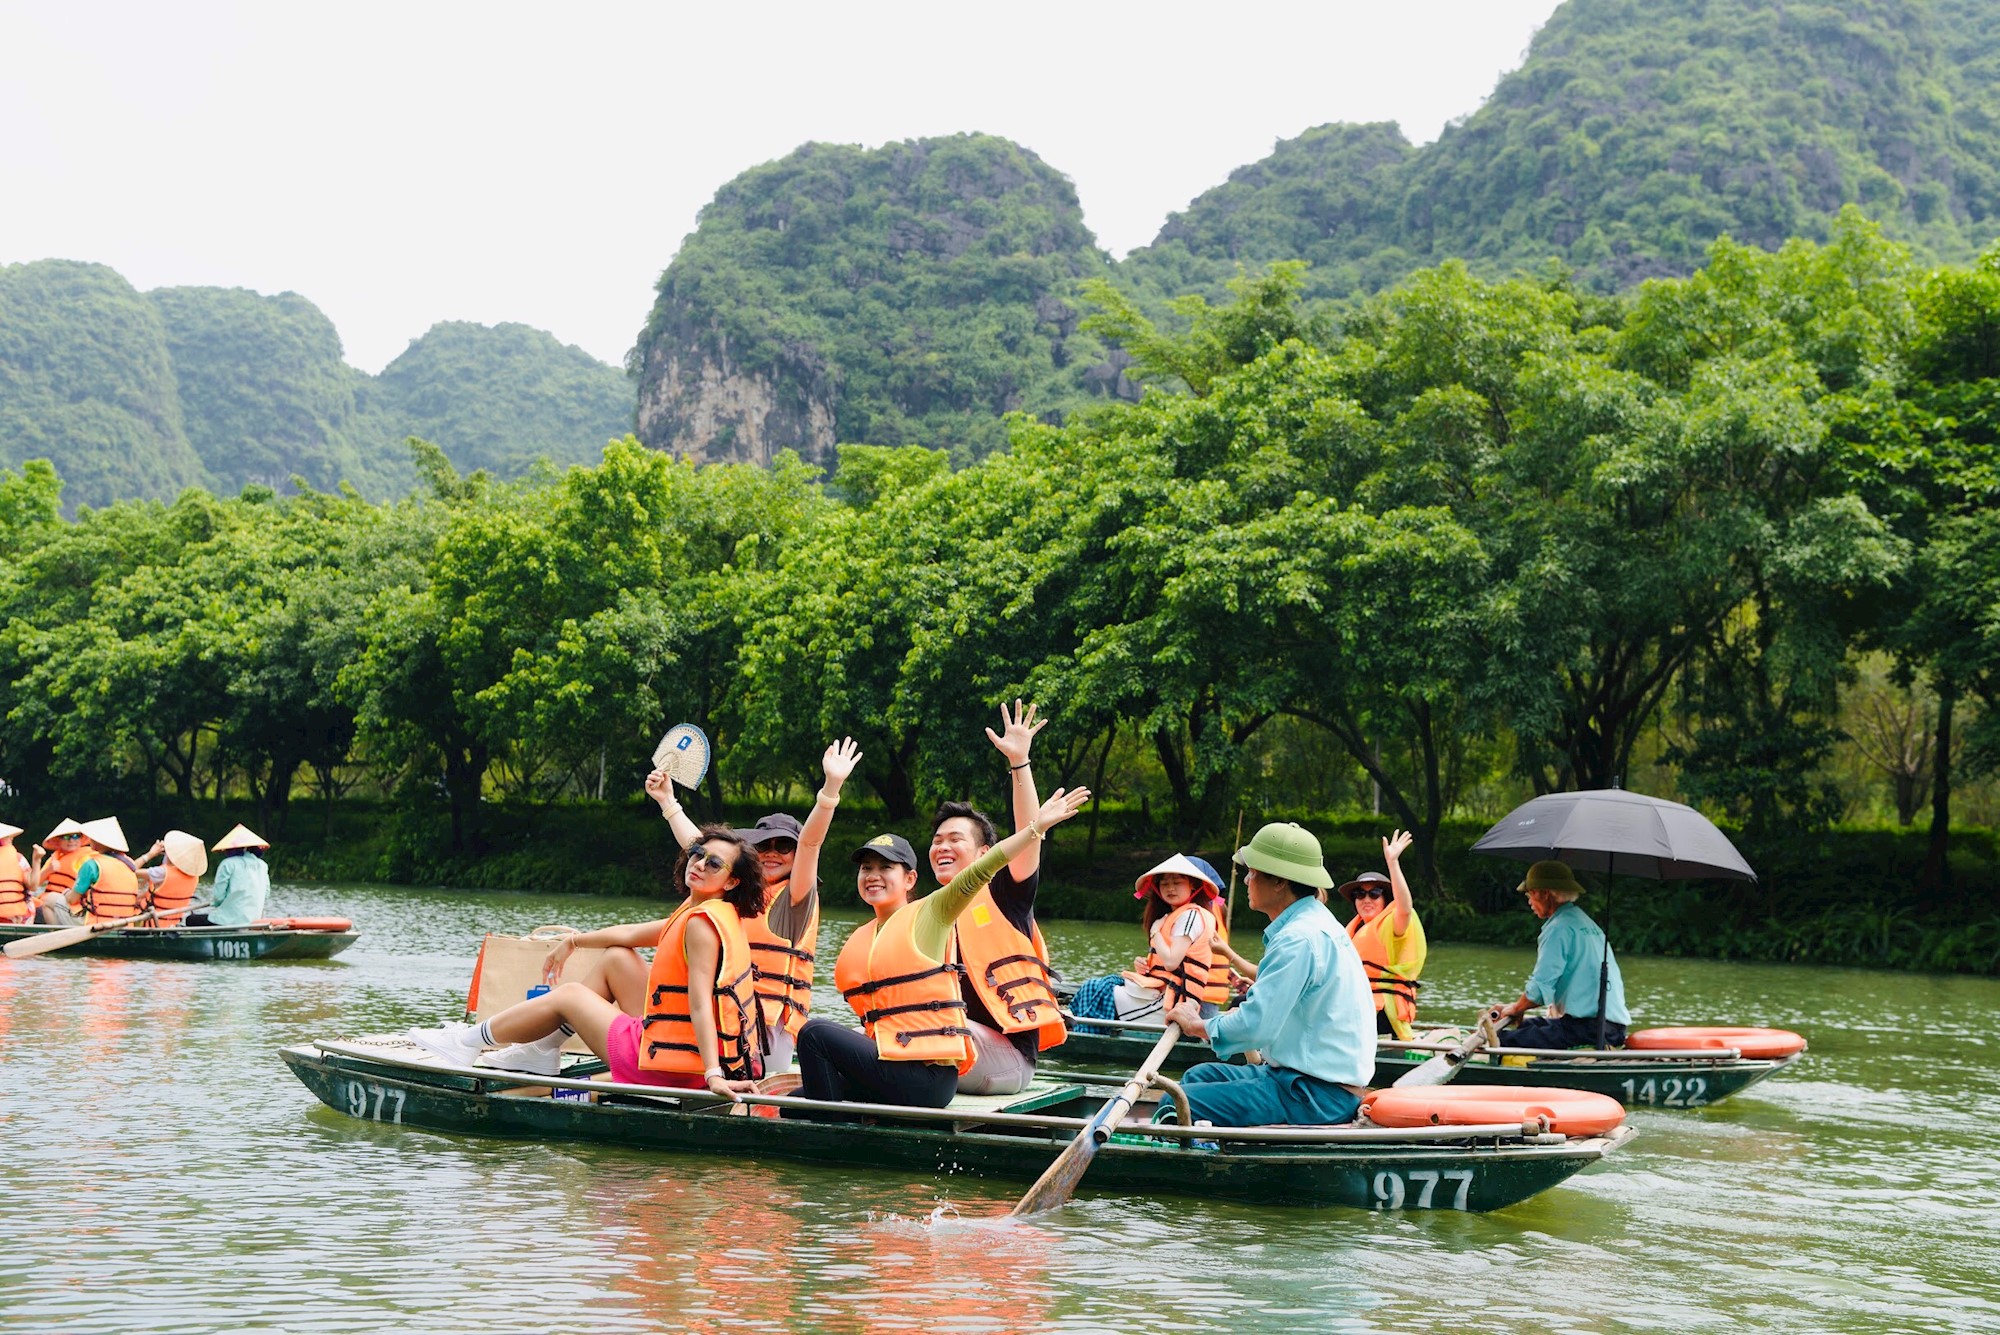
(683, 754)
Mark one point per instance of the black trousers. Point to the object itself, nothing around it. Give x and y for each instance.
(841, 1065)
(1568, 1031)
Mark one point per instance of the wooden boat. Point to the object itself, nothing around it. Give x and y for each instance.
(1664, 1079)
(257, 941)
(1486, 1167)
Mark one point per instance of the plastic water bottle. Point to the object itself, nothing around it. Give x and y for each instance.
(1204, 1144)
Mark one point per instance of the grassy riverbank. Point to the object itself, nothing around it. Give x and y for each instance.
(1844, 897)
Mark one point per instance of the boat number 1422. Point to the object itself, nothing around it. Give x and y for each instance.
(1672, 1092)
(374, 1102)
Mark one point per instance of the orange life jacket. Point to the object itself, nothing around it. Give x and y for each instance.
(59, 872)
(908, 1002)
(1190, 977)
(116, 893)
(784, 971)
(173, 895)
(1393, 992)
(667, 1042)
(17, 904)
(1009, 971)
(1217, 992)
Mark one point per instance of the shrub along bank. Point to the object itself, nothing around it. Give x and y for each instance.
(1845, 896)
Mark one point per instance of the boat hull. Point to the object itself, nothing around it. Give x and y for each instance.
(1432, 1174)
(200, 944)
(1634, 1082)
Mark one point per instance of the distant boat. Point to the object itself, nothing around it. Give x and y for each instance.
(272, 939)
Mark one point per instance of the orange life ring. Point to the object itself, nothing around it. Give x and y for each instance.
(1573, 1112)
(1754, 1044)
(308, 924)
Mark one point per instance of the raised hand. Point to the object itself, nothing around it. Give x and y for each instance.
(839, 761)
(1394, 846)
(1017, 735)
(558, 956)
(660, 786)
(1062, 804)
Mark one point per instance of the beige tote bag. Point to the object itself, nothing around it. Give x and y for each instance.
(509, 965)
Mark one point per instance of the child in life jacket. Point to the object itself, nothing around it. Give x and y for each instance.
(1183, 917)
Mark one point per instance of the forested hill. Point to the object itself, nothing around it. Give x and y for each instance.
(1636, 132)
(136, 394)
(910, 294)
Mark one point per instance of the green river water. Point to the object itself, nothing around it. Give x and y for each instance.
(164, 1172)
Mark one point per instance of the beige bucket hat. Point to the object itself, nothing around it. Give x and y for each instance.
(241, 837)
(186, 852)
(105, 832)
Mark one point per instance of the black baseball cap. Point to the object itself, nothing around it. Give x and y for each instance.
(890, 848)
(776, 826)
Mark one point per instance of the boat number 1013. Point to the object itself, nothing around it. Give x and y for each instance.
(1423, 1189)
(1672, 1092)
(232, 950)
(374, 1102)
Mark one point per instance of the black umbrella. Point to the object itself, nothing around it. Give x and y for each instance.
(1611, 830)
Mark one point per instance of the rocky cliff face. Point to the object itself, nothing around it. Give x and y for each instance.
(911, 294)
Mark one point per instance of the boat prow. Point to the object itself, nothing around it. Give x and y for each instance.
(1476, 1168)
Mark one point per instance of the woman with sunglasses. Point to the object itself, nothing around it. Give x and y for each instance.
(687, 1021)
(1386, 930)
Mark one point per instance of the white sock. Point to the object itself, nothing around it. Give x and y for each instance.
(551, 1042)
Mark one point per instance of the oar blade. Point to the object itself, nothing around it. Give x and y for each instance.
(1440, 1069)
(47, 941)
(1057, 1183)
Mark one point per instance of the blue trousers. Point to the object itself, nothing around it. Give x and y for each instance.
(1262, 1096)
(1563, 1031)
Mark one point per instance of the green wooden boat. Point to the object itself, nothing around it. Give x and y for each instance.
(1481, 1168)
(1635, 1080)
(201, 944)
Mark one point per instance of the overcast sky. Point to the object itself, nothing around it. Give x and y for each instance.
(409, 163)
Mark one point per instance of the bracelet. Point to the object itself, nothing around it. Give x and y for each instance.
(824, 796)
(1035, 829)
(713, 1073)
(1023, 765)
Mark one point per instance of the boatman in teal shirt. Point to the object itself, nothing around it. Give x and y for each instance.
(1568, 957)
(1310, 1011)
(242, 882)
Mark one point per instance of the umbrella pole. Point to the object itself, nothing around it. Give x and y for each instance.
(1604, 959)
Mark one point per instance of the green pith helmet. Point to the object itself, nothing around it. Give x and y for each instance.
(1285, 849)
(1550, 876)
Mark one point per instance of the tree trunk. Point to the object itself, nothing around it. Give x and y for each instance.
(1936, 880)
(1097, 795)
(464, 774)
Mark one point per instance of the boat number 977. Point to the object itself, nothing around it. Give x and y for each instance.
(1672, 1092)
(1420, 1188)
(371, 1101)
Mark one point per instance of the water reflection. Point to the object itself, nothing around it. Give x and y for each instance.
(165, 1173)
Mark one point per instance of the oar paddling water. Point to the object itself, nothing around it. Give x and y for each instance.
(68, 936)
(1054, 1187)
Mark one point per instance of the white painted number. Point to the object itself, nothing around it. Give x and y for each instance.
(232, 950)
(1671, 1092)
(361, 1104)
(1391, 1190)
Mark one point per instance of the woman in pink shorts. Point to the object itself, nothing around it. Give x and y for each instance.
(605, 1007)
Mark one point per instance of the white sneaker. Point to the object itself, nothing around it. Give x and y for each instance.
(456, 1043)
(528, 1057)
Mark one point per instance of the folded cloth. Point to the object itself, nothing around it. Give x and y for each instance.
(1095, 999)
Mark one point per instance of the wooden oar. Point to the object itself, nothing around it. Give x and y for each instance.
(68, 936)
(1054, 1186)
(1440, 1069)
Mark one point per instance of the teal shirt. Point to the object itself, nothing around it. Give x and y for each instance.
(1567, 956)
(1310, 1009)
(236, 896)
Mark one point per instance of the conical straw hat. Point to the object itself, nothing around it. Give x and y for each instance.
(105, 832)
(186, 852)
(68, 826)
(9, 831)
(240, 837)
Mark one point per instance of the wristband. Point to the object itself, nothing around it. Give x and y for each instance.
(824, 796)
(1023, 765)
(713, 1073)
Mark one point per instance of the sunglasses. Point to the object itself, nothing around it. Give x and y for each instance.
(707, 861)
(1371, 892)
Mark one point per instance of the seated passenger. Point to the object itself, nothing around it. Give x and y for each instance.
(55, 874)
(176, 881)
(17, 880)
(1569, 955)
(1309, 1011)
(1183, 920)
(900, 972)
(104, 886)
(785, 938)
(1390, 937)
(686, 1021)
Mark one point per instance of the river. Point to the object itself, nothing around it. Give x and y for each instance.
(164, 1172)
